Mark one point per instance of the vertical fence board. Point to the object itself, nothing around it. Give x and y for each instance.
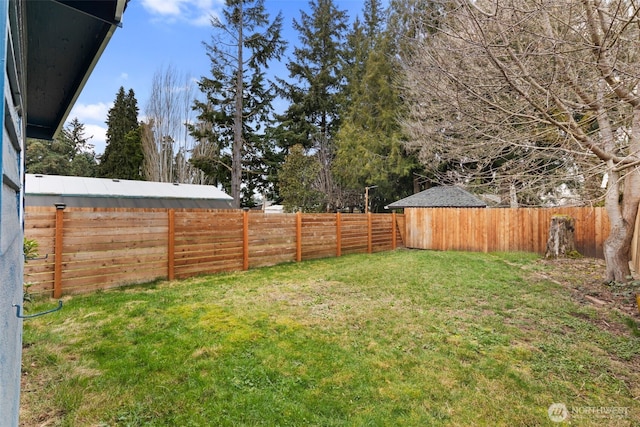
(338, 235)
(245, 239)
(369, 233)
(401, 229)
(171, 250)
(543, 220)
(394, 238)
(591, 220)
(57, 272)
(299, 236)
(440, 229)
(533, 240)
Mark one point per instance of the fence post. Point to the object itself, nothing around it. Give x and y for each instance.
(57, 269)
(171, 255)
(298, 236)
(338, 234)
(394, 239)
(245, 239)
(369, 233)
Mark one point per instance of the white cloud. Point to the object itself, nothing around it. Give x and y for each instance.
(163, 7)
(90, 112)
(93, 117)
(203, 20)
(97, 135)
(193, 12)
(207, 4)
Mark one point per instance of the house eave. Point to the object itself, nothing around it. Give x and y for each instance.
(65, 40)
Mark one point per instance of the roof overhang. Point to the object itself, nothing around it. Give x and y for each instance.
(65, 39)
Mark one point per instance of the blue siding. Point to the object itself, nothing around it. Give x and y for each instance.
(11, 232)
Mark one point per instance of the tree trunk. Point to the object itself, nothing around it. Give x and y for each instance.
(617, 247)
(561, 242)
(616, 255)
(622, 211)
(236, 160)
(513, 196)
(622, 217)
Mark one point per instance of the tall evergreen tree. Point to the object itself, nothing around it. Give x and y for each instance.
(313, 117)
(373, 20)
(238, 96)
(123, 155)
(298, 177)
(369, 144)
(84, 162)
(411, 20)
(69, 153)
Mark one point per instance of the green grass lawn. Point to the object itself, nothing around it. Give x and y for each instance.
(411, 338)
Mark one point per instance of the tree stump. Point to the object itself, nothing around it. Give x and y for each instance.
(561, 241)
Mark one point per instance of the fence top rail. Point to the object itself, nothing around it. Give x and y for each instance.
(102, 209)
(195, 210)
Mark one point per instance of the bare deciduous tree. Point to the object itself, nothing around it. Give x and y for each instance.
(167, 142)
(527, 89)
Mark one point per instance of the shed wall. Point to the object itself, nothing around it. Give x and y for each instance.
(125, 202)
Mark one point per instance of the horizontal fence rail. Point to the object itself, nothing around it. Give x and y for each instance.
(502, 230)
(85, 249)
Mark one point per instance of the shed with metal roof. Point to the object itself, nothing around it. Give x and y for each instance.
(73, 191)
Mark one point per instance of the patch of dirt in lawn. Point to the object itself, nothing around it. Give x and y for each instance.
(584, 277)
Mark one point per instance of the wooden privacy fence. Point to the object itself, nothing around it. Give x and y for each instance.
(84, 249)
(502, 230)
(88, 249)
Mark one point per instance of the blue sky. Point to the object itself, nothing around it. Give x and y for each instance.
(156, 34)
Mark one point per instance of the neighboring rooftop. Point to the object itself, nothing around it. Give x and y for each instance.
(47, 190)
(440, 197)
